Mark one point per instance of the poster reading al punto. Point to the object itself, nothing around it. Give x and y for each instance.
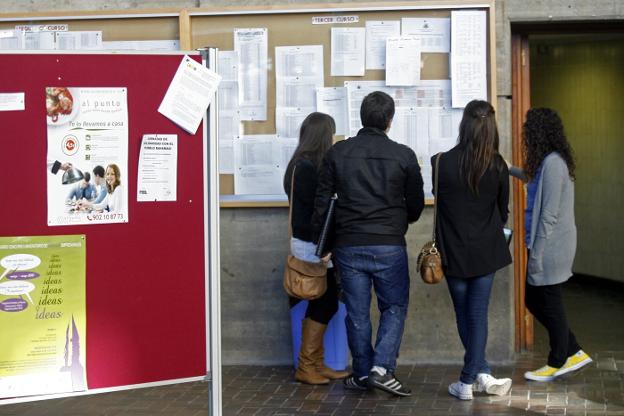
(87, 158)
(42, 315)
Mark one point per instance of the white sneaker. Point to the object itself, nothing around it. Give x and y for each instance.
(461, 390)
(492, 385)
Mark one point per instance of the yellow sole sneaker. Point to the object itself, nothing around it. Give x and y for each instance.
(573, 363)
(546, 373)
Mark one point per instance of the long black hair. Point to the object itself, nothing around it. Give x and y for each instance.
(316, 136)
(478, 137)
(542, 134)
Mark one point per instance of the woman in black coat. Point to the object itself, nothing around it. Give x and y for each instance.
(472, 198)
(315, 138)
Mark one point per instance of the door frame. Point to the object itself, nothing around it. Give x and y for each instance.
(520, 103)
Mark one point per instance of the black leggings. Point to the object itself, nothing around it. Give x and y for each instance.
(546, 304)
(321, 310)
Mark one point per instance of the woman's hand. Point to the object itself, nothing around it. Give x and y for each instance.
(326, 258)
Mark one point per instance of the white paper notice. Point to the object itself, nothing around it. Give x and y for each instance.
(226, 156)
(333, 101)
(142, 45)
(434, 32)
(299, 61)
(189, 94)
(410, 127)
(468, 56)
(428, 93)
(288, 120)
(227, 65)
(286, 149)
(348, 51)
(252, 47)
(158, 168)
(229, 126)
(11, 39)
(298, 72)
(13, 101)
(376, 34)
(78, 40)
(402, 61)
(443, 129)
(256, 169)
(39, 40)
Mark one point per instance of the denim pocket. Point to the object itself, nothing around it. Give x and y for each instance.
(382, 252)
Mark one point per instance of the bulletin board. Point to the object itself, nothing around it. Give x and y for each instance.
(292, 26)
(145, 279)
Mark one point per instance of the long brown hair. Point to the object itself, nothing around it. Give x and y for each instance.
(542, 134)
(478, 137)
(117, 182)
(316, 136)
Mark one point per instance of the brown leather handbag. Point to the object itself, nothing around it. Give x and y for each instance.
(429, 259)
(303, 279)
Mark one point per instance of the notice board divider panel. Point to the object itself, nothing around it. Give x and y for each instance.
(145, 279)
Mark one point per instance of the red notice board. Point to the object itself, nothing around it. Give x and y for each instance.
(145, 278)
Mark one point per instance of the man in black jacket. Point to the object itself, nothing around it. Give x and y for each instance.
(380, 191)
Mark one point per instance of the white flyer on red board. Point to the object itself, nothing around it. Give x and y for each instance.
(158, 168)
(189, 94)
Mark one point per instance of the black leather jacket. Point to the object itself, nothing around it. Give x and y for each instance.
(379, 187)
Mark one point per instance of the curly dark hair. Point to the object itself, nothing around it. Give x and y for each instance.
(543, 134)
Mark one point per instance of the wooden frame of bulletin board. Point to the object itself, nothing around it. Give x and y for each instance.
(292, 26)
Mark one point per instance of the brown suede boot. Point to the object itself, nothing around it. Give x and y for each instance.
(311, 342)
(319, 354)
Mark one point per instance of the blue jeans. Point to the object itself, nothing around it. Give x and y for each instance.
(385, 268)
(471, 298)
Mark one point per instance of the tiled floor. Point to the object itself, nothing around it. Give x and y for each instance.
(597, 314)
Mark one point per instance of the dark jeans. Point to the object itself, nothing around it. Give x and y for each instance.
(385, 269)
(471, 298)
(321, 310)
(546, 304)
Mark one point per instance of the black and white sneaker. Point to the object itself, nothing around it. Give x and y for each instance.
(388, 383)
(355, 383)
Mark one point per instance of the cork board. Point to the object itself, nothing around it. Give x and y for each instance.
(293, 27)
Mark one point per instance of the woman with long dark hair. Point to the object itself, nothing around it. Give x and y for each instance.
(472, 198)
(550, 236)
(315, 138)
(114, 200)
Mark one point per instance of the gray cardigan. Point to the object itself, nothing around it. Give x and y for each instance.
(553, 231)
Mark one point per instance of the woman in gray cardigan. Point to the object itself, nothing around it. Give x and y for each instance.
(550, 236)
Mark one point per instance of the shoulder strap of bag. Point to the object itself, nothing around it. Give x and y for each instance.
(291, 202)
(435, 196)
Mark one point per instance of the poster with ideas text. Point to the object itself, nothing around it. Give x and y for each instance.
(42, 315)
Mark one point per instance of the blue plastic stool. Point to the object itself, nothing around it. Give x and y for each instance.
(335, 340)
